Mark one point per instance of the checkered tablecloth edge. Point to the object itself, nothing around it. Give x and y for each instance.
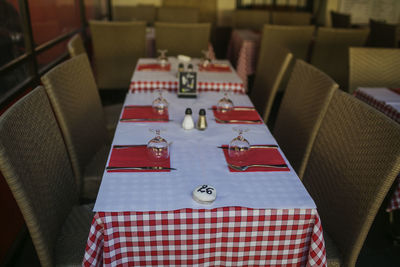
(220, 237)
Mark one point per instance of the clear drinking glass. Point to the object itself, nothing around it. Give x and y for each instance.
(206, 59)
(225, 104)
(160, 104)
(158, 147)
(239, 146)
(163, 58)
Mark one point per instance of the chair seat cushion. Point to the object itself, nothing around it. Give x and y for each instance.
(73, 237)
(94, 172)
(332, 253)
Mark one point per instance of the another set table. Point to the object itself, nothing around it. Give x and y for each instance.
(387, 101)
(243, 52)
(149, 218)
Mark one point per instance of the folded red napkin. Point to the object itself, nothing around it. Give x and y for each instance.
(242, 115)
(215, 67)
(257, 156)
(135, 156)
(396, 90)
(143, 114)
(154, 67)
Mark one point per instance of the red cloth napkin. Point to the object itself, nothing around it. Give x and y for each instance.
(143, 112)
(396, 90)
(215, 67)
(154, 67)
(258, 156)
(238, 115)
(136, 156)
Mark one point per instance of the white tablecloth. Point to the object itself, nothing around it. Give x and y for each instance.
(198, 161)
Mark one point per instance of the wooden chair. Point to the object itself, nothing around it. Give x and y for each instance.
(250, 19)
(353, 163)
(303, 106)
(74, 96)
(116, 48)
(340, 20)
(35, 164)
(331, 51)
(272, 65)
(145, 13)
(291, 18)
(178, 15)
(183, 38)
(383, 34)
(111, 112)
(374, 67)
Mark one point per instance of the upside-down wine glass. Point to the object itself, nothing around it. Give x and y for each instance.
(239, 146)
(160, 104)
(206, 59)
(162, 58)
(225, 104)
(158, 147)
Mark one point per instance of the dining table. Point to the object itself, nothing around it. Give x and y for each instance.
(243, 49)
(387, 101)
(148, 216)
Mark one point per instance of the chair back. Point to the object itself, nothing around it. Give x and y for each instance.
(374, 67)
(353, 163)
(383, 34)
(291, 18)
(340, 20)
(116, 48)
(303, 106)
(250, 19)
(273, 62)
(178, 14)
(35, 164)
(75, 46)
(182, 38)
(145, 13)
(295, 38)
(74, 96)
(331, 51)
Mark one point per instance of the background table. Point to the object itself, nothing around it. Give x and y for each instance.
(388, 102)
(243, 51)
(137, 223)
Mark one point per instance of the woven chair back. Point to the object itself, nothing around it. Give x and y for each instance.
(75, 46)
(291, 18)
(178, 14)
(383, 34)
(273, 62)
(353, 163)
(374, 67)
(340, 20)
(250, 19)
(183, 38)
(35, 164)
(331, 51)
(303, 106)
(116, 48)
(145, 13)
(73, 94)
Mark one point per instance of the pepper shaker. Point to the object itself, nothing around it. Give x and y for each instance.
(202, 121)
(188, 123)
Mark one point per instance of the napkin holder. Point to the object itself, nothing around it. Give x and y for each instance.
(187, 84)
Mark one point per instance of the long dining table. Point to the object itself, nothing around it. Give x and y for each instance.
(261, 216)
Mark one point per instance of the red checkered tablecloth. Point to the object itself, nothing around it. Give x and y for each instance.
(394, 203)
(243, 52)
(229, 236)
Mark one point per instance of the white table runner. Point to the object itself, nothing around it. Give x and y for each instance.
(198, 161)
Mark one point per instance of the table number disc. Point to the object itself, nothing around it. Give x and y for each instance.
(204, 194)
(187, 84)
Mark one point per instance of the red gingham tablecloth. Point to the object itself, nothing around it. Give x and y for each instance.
(394, 203)
(228, 236)
(243, 52)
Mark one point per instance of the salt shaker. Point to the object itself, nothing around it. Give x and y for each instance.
(202, 121)
(188, 123)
